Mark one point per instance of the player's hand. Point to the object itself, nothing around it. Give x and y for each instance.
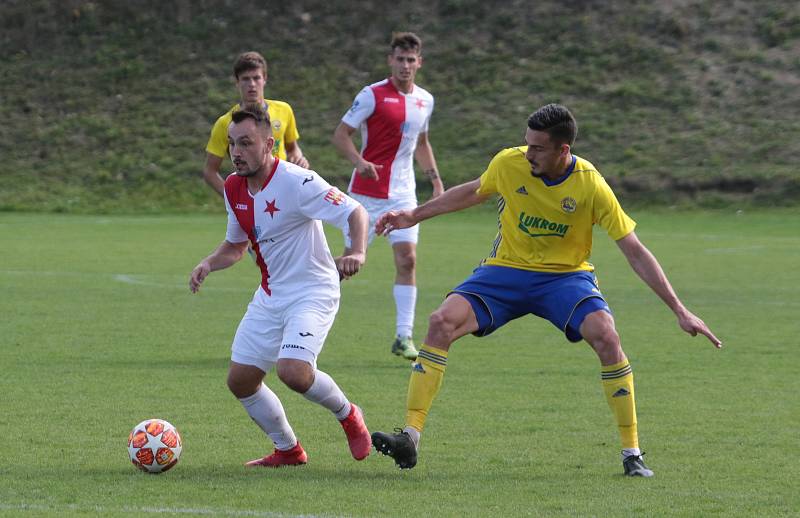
(349, 265)
(368, 169)
(301, 160)
(693, 325)
(393, 220)
(198, 275)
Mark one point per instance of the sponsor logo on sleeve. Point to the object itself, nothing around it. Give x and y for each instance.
(334, 196)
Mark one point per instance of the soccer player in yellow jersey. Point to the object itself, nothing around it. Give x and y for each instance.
(250, 72)
(549, 200)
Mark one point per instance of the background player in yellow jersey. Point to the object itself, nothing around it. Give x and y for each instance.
(250, 72)
(549, 200)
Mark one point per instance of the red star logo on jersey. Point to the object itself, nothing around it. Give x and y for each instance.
(271, 208)
(420, 104)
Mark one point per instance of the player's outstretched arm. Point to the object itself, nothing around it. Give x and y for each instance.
(646, 266)
(454, 199)
(225, 255)
(350, 264)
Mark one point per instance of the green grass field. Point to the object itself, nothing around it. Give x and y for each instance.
(99, 332)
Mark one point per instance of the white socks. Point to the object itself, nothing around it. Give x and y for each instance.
(405, 300)
(266, 410)
(324, 391)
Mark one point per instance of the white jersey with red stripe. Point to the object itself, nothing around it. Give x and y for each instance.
(283, 222)
(391, 122)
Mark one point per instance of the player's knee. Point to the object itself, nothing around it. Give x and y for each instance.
(602, 335)
(406, 261)
(297, 375)
(239, 387)
(441, 323)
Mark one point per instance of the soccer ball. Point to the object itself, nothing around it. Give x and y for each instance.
(154, 445)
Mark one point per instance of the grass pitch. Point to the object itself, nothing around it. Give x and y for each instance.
(99, 332)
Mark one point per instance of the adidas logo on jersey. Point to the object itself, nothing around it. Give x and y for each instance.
(522, 190)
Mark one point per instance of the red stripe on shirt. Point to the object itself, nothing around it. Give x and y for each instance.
(384, 135)
(237, 193)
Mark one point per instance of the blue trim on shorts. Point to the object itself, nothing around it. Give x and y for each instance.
(499, 294)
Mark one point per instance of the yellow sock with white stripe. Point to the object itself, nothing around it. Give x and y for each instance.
(618, 387)
(426, 379)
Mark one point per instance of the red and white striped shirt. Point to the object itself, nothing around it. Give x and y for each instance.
(391, 122)
(283, 223)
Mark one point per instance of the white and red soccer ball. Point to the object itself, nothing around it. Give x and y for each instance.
(154, 445)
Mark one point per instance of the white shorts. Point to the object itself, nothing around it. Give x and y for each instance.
(271, 330)
(377, 206)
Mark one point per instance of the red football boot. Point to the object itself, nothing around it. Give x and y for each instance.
(294, 457)
(357, 434)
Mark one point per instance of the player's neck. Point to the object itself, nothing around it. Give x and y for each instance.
(405, 87)
(561, 170)
(256, 182)
(262, 102)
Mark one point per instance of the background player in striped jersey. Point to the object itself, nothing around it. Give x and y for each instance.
(549, 200)
(278, 207)
(393, 115)
(250, 73)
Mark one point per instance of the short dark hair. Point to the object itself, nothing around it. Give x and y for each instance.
(406, 41)
(555, 120)
(257, 114)
(249, 61)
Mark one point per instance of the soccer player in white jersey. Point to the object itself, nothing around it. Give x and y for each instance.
(278, 206)
(393, 115)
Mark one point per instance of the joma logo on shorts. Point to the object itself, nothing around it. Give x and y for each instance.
(530, 224)
(291, 346)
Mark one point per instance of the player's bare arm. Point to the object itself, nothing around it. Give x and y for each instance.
(351, 263)
(427, 161)
(454, 199)
(226, 254)
(295, 155)
(211, 173)
(646, 266)
(343, 141)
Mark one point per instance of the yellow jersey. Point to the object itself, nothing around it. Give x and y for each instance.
(284, 129)
(546, 226)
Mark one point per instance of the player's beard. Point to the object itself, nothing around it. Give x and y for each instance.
(534, 173)
(250, 171)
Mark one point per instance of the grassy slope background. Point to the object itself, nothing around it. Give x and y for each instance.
(107, 105)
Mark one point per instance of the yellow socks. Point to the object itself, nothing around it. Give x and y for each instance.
(618, 386)
(424, 384)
